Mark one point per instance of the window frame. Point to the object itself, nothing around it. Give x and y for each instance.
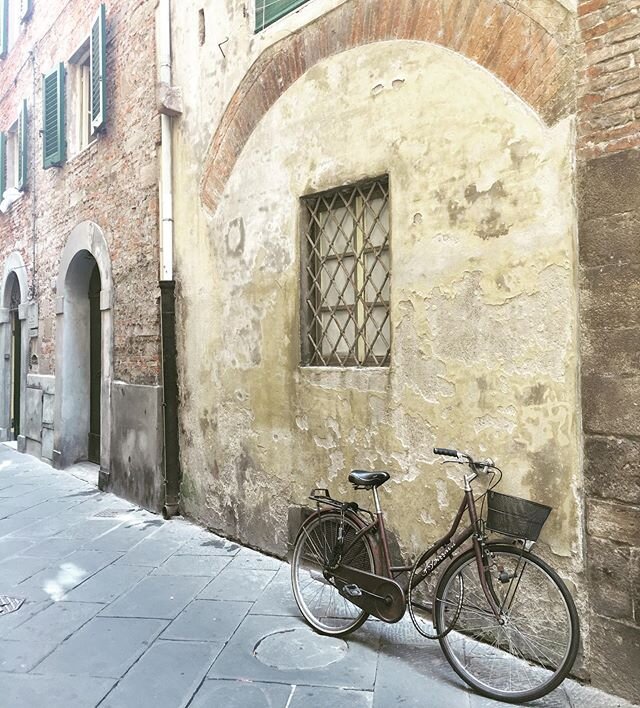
(358, 248)
(4, 28)
(291, 7)
(81, 134)
(13, 15)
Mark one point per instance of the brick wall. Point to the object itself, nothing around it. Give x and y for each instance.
(113, 182)
(609, 78)
(609, 236)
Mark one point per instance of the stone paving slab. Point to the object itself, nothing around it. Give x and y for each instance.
(20, 657)
(16, 569)
(29, 609)
(403, 672)
(130, 610)
(277, 599)
(207, 620)
(248, 559)
(150, 552)
(121, 538)
(205, 566)
(104, 647)
(30, 691)
(56, 622)
(86, 529)
(166, 676)
(242, 694)
(13, 546)
(160, 597)
(107, 584)
(209, 547)
(58, 578)
(53, 548)
(307, 696)
(238, 585)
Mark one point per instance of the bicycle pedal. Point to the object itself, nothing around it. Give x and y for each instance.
(352, 590)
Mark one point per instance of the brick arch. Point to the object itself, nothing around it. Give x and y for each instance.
(524, 52)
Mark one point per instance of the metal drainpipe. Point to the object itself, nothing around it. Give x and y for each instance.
(172, 473)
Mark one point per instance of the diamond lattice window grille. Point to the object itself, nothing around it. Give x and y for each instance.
(347, 276)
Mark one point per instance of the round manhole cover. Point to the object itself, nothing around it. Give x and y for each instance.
(299, 649)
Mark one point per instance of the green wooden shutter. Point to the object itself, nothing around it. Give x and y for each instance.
(268, 11)
(4, 27)
(3, 164)
(22, 147)
(98, 54)
(26, 7)
(53, 140)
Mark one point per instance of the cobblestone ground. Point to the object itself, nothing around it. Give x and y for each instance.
(124, 609)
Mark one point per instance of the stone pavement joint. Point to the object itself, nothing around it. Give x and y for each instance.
(124, 609)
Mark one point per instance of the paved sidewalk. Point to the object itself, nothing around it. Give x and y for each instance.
(124, 609)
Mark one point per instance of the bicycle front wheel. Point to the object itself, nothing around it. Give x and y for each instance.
(314, 589)
(526, 652)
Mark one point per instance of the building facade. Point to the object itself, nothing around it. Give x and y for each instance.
(399, 224)
(79, 220)
(401, 238)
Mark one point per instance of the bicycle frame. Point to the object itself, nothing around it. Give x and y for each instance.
(447, 543)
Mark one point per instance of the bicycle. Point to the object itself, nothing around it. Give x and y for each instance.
(505, 620)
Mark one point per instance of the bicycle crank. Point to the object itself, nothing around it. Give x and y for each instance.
(379, 596)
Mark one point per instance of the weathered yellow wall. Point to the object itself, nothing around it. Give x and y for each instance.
(483, 300)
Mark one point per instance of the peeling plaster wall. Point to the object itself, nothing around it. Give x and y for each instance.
(483, 303)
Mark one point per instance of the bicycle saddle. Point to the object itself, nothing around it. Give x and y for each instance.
(361, 478)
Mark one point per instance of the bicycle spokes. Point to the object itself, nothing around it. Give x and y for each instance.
(524, 651)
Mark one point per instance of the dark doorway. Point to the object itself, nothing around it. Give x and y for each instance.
(16, 358)
(95, 365)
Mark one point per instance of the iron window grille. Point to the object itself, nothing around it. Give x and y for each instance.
(346, 276)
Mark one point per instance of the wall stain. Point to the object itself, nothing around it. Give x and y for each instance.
(490, 226)
(235, 237)
(455, 210)
(496, 190)
(536, 395)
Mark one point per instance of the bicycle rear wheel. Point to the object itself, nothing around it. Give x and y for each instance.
(534, 648)
(314, 589)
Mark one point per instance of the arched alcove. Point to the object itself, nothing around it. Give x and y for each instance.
(524, 47)
(83, 307)
(14, 345)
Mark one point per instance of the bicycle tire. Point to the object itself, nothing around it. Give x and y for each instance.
(317, 597)
(533, 651)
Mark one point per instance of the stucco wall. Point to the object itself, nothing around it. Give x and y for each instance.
(483, 302)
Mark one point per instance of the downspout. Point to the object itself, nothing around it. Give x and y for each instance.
(172, 473)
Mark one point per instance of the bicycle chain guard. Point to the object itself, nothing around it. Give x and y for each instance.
(379, 596)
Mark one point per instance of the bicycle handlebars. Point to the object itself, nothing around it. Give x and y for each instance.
(445, 451)
(464, 458)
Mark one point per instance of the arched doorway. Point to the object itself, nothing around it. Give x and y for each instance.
(14, 346)
(15, 354)
(81, 360)
(83, 351)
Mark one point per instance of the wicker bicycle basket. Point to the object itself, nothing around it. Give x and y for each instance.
(515, 517)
